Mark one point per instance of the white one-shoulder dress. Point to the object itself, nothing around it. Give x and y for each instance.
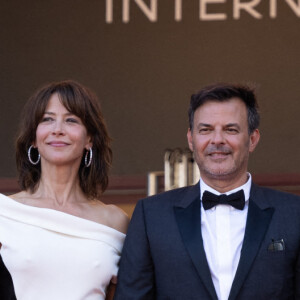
(54, 255)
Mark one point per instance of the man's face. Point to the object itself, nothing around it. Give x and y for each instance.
(221, 142)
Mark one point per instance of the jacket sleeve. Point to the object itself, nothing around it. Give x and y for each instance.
(6, 285)
(297, 278)
(136, 274)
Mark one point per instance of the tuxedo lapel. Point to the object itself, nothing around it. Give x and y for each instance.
(258, 221)
(188, 218)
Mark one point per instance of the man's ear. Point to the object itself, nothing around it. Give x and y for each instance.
(254, 139)
(190, 139)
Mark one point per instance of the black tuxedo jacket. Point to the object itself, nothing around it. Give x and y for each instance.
(6, 285)
(164, 258)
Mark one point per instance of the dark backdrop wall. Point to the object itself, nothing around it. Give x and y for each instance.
(144, 61)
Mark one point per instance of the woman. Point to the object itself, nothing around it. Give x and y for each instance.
(58, 240)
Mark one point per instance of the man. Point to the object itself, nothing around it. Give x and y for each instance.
(191, 243)
(6, 285)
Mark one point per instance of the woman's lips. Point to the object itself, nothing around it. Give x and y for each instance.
(57, 144)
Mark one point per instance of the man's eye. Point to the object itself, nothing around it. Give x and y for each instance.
(204, 130)
(232, 130)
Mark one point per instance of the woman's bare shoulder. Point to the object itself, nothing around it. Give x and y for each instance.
(119, 219)
(20, 197)
(112, 216)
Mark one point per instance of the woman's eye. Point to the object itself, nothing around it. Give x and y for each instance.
(47, 119)
(72, 120)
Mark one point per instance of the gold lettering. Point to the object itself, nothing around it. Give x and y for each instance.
(178, 10)
(204, 15)
(273, 9)
(109, 11)
(247, 6)
(295, 7)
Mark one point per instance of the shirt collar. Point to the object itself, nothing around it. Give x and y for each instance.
(245, 187)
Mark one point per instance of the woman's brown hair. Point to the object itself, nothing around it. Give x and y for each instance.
(81, 102)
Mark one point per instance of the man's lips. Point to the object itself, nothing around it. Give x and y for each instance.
(213, 150)
(217, 155)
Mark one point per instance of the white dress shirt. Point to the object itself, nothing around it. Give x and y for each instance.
(223, 230)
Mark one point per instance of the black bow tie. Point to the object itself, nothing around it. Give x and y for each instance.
(237, 200)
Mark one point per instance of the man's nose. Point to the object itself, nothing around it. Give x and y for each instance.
(218, 137)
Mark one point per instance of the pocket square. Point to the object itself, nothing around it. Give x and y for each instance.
(276, 245)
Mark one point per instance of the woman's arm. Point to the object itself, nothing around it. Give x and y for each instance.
(110, 291)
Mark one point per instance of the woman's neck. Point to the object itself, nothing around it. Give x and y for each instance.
(60, 184)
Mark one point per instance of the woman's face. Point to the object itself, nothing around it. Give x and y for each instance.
(61, 137)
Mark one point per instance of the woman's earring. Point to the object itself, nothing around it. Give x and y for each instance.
(29, 156)
(86, 162)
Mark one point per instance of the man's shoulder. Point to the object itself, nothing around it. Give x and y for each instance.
(172, 197)
(275, 197)
(161, 206)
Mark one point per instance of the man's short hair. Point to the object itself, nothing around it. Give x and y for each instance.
(224, 92)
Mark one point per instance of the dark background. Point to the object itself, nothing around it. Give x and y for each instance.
(144, 72)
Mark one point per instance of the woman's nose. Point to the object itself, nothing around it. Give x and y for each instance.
(58, 128)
